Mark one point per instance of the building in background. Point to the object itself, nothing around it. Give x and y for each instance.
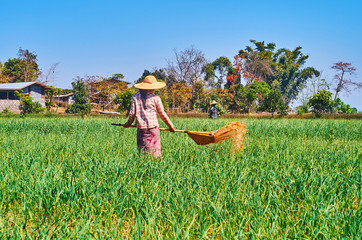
(8, 99)
(63, 100)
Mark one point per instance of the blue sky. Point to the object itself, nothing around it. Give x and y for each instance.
(107, 37)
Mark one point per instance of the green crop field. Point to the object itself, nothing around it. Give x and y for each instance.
(83, 178)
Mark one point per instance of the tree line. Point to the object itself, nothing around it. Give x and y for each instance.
(261, 77)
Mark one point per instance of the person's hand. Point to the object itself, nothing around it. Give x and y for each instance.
(172, 129)
(126, 125)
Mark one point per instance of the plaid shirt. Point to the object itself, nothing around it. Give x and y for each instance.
(146, 114)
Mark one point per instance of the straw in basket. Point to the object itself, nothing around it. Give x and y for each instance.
(235, 131)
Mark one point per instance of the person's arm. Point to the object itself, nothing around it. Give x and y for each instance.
(163, 115)
(131, 115)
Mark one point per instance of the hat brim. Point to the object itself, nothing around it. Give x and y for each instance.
(150, 86)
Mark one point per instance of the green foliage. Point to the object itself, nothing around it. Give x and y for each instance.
(218, 70)
(13, 69)
(321, 102)
(52, 91)
(273, 102)
(6, 111)
(282, 65)
(3, 78)
(160, 74)
(220, 110)
(118, 76)
(27, 105)
(82, 109)
(144, 75)
(124, 99)
(259, 89)
(49, 93)
(80, 92)
(302, 109)
(64, 178)
(289, 71)
(341, 107)
(22, 69)
(80, 97)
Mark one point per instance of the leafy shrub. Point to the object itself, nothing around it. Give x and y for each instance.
(321, 102)
(341, 107)
(220, 110)
(27, 105)
(124, 99)
(80, 97)
(6, 111)
(83, 109)
(273, 102)
(302, 109)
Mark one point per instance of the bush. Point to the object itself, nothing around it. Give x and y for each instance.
(48, 114)
(80, 97)
(273, 102)
(124, 99)
(82, 109)
(6, 111)
(302, 109)
(321, 102)
(341, 107)
(27, 105)
(220, 110)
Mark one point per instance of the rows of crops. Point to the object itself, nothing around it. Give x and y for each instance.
(83, 178)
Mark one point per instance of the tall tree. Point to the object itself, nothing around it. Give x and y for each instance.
(124, 99)
(343, 83)
(24, 68)
(265, 63)
(218, 70)
(117, 76)
(187, 66)
(13, 70)
(256, 92)
(289, 72)
(3, 78)
(181, 95)
(80, 97)
(160, 74)
(107, 90)
(30, 70)
(256, 63)
(89, 82)
(273, 102)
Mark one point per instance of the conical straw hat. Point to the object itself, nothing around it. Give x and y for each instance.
(150, 82)
(213, 102)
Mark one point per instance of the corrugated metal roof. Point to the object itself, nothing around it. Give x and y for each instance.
(18, 86)
(65, 95)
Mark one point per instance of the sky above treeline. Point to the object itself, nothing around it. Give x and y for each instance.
(88, 37)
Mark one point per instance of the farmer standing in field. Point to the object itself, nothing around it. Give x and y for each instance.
(144, 107)
(213, 112)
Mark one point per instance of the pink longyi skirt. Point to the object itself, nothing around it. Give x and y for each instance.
(149, 141)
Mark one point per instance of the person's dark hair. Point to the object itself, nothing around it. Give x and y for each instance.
(143, 93)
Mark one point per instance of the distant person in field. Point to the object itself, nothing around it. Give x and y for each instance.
(213, 111)
(144, 108)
